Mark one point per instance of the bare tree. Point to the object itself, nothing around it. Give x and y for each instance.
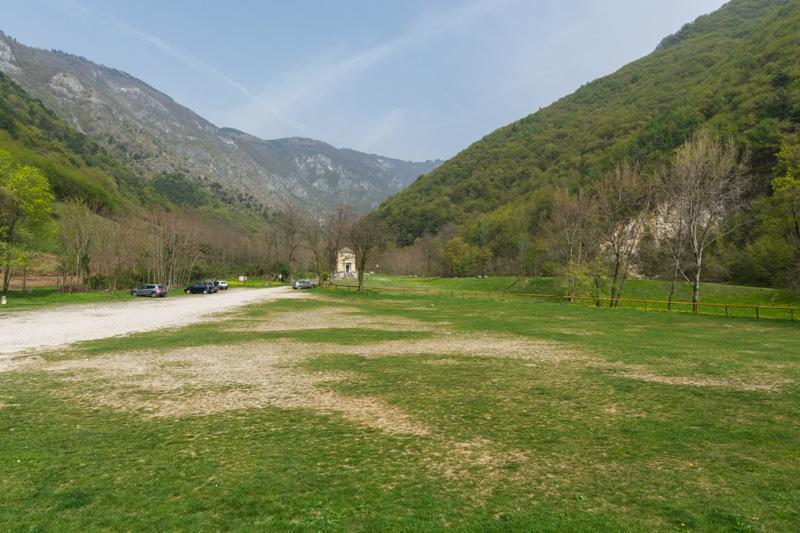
(174, 248)
(337, 228)
(707, 176)
(366, 237)
(77, 234)
(314, 233)
(574, 216)
(670, 215)
(289, 225)
(432, 253)
(623, 200)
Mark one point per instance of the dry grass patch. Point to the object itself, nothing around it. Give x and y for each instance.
(332, 318)
(207, 380)
(756, 382)
(468, 344)
(18, 362)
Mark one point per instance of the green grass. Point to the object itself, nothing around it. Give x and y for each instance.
(38, 297)
(635, 289)
(514, 444)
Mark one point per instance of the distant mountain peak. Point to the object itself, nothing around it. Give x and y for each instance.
(154, 135)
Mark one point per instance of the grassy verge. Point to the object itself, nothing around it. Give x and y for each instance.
(40, 297)
(603, 421)
(635, 289)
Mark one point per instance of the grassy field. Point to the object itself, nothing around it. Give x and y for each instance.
(38, 297)
(635, 289)
(362, 412)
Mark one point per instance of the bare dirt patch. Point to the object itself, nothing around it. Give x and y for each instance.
(333, 318)
(199, 381)
(466, 344)
(205, 380)
(479, 466)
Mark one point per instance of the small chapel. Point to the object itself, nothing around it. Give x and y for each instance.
(345, 264)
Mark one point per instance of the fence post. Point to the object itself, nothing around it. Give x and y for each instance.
(791, 314)
(757, 313)
(726, 311)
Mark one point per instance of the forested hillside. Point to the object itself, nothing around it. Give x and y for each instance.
(736, 70)
(107, 226)
(153, 135)
(75, 166)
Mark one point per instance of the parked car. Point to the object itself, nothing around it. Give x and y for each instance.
(153, 290)
(212, 287)
(203, 287)
(303, 284)
(222, 284)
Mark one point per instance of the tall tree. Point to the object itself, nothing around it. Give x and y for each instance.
(25, 205)
(624, 198)
(337, 226)
(366, 237)
(289, 223)
(708, 178)
(670, 213)
(76, 232)
(314, 233)
(786, 187)
(574, 217)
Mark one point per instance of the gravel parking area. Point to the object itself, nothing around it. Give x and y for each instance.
(48, 328)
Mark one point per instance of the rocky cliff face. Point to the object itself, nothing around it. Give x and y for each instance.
(323, 174)
(153, 134)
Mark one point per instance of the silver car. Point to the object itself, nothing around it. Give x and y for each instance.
(153, 290)
(303, 284)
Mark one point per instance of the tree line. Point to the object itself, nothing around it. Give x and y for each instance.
(94, 250)
(684, 222)
(694, 218)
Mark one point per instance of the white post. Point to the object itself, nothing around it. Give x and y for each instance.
(3, 300)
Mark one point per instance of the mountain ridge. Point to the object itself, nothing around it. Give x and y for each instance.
(154, 135)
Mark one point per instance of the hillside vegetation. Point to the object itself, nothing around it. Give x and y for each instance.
(75, 166)
(735, 70)
(152, 134)
(109, 226)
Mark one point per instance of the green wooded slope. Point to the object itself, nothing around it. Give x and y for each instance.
(736, 70)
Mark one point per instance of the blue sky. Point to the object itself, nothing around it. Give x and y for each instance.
(410, 79)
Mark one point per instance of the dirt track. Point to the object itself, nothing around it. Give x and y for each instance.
(49, 328)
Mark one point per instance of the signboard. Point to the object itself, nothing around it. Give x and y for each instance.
(242, 278)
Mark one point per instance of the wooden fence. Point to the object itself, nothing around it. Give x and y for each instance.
(720, 309)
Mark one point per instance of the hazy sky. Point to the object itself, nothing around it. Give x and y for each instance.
(411, 79)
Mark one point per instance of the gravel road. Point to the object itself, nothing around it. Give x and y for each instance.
(48, 328)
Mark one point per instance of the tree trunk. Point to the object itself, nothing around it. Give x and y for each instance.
(7, 269)
(360, 280)
(672, 287)
(6, 275)
(614, 289)
(571, 288)
(696, 286)
(596, 291)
